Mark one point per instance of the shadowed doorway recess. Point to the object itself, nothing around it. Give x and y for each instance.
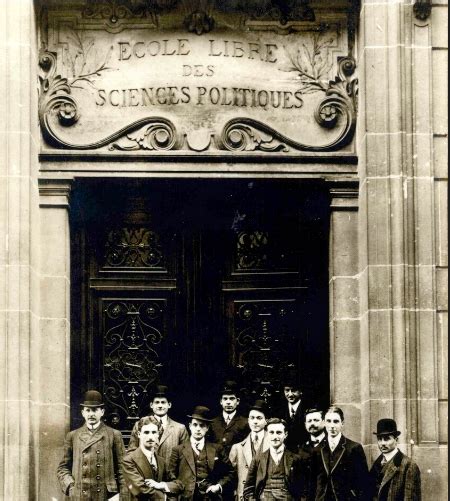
(190, 282)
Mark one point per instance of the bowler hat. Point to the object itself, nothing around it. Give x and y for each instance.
(261, 406)
(92, 398)
(387, 426)
(162, 391)
(230, 388)
(201, 413)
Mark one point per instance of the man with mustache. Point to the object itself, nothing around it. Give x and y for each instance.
(91, 469)
(394, 476)
(145, 470)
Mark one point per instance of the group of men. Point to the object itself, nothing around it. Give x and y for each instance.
(298, 454)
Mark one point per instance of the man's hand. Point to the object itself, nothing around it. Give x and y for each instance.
(214, 489)
(160, 486)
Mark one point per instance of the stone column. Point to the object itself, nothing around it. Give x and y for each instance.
(54, 331)
(18, 249)
(397, 258)
(345, 346)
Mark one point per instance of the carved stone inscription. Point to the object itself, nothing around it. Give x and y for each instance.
(230, 89)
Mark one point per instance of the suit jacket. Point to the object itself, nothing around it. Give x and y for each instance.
(136, 469)
(297, 434)
(174, 434)
(400, 482)
(241, 458)
(182, 470)
(343, 474)
(226, 436)
(306, 453)
(257, 475)
(92, 462)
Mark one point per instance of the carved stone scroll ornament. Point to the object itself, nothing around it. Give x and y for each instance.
(338, 108)
(247, 134)
(155, 133)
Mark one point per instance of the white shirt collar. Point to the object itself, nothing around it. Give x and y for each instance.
(334, 440)
(93, 428)
(294, 406)
(391, 454)
(228, 417)
(195, 442)
(162, 419)
(260, 435)
(318, 438)
(276, 454)
(150, 455)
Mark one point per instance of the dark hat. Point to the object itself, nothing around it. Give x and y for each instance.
(201, 414)
(261, 406)
(230, 387)
(92, 398)
(291, 380)
(161, 390)
(387, 426)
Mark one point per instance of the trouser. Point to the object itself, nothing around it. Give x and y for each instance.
(279, 494)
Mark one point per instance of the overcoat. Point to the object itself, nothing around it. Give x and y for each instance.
(93, 463)
(306, 452)
(241, 458)
(400, 482)
(174, 434)
(182, 470)
(227, 435)
(136, 469)
(343, 474)
(257, 475)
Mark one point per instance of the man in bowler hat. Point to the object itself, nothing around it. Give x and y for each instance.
(394, 476)
(173, 433)
(91, 468)
(242, 453)
(200, 470)
(144, 470)
(229, 427)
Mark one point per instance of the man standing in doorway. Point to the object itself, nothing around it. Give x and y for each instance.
(242, 453)
(173, 433)
(229, 427)
(395, 477)
(275, 474)
(91, 469)
(292, 412)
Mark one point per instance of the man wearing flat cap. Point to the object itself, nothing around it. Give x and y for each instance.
(91, 469)
(242, 453)
(229, 427)
(394, 476)
(173, 433)
(200, 470)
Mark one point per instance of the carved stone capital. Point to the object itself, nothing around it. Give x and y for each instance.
(422, 9)
(54, 193)
(344, 197)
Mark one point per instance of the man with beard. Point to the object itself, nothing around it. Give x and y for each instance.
(315, 426)
(275, 474)
(91, 469)
(143, 469)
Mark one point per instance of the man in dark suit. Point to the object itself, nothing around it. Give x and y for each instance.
(143, 469)
(292, 412)
(173, 433)
(229, 427)
(315, 427)
(200, 471)
(394, 476)
(275, 474)
(340, 464)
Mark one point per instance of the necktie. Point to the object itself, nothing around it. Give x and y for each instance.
(292, 413)
(153, 462)
(384, 460)
(227, 420)
(256, 441)
(332, 446)
(197, 448)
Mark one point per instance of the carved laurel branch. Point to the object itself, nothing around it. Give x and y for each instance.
(160, 134)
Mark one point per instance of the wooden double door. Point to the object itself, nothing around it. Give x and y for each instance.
(192, 282)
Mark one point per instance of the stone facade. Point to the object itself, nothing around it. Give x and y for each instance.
(388, 247)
